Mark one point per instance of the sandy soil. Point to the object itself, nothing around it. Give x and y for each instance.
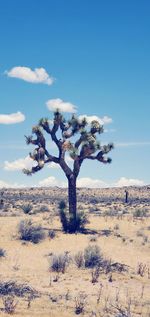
(113, 227)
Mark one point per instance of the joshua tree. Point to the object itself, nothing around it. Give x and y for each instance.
(126, 196)
(84, 147)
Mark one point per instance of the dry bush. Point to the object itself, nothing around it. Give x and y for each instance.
(92, 256)
(141, 269)
(93, 238)
(30, 232)
(95, 274)
(26, 208)
(10, 304)
(69, 224)
(15, 289)
(80, 304)
(79, 259)
(51, 234)
(140, 213)
(59, 263)
(2, 253)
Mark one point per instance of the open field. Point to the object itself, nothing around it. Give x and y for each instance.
(121, 287)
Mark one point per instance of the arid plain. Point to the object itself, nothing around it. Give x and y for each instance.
(118, 287)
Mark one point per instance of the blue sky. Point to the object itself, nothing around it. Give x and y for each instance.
(97, 56)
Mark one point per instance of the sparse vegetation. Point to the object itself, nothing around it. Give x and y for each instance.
(26, 208)
(141, 269)
(80, 304)
(92, 256)
(59, 263)
(68, 275)
(140, 213)
(70, 225)
(79, 259)
(95, 274)
(30, 232)
(2, 253)
(10, 304)
(16, 289)
(51, 234)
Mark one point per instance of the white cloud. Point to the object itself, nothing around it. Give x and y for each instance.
(19, 164)
(12, 118)
(109, 130)
(86, 182)
(38, 75)
(127, 144)
(102, 121)
(53, 104)
(90, 183)
(4, 184)
(53, 165)
(51, 181)
(123, 181)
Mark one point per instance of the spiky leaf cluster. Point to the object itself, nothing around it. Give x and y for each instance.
(85, 147)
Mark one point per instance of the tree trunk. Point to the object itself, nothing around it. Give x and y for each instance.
(72, 196)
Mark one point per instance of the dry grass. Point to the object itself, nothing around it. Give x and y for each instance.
(118, 288)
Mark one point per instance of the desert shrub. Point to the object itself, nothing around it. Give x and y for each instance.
(71, 225)
(139, 213)
(95, 274)
(1, 202)
(26, 208)
(78, 224)
(92, 256)
(51, 234)
(62, 205)
(79, 259)
(30, 232)
(139, 233)
(64, 220)
(94, 200)
(145, 238)
(10, 304)
(93, 238)
(116, 227)
(59, 263)
(19, 290)
(80, 304)
(44, 208)
(141, 269)
(2, 253)
(111, 213)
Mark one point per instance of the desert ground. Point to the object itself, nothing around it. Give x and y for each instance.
(118, 287)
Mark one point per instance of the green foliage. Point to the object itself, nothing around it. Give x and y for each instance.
(36, 129)
(30, 232)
